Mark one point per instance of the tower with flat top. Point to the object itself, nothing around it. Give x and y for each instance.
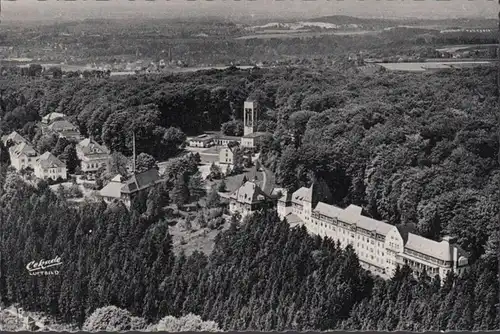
(249, 117)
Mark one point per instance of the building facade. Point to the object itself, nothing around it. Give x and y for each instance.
(249, 198)
(92, 156)
(22, 156)
(137, 183)
(381, 247)
(226, 156)
(48, 166)
(203, 140)
(63, 128)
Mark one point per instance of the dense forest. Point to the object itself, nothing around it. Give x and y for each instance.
(262, 275)
(410, 148)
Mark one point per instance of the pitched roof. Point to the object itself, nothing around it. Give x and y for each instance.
(52, 116)
(22, 148)
(439, 250)
(15, 137)
(303, 194)
(61, 125)
(141, 181)
(113, 188)
(353, 215)
(249, 193)
(48, 160)
(90, 146)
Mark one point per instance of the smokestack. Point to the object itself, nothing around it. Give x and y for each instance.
(133, 152)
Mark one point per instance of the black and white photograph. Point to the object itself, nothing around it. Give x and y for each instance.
(249, 165)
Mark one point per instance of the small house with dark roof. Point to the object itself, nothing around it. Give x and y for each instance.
(137, 183)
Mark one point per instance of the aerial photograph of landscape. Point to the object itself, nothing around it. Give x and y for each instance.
(267, 165)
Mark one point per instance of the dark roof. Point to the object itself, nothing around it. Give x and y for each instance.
(141, 181)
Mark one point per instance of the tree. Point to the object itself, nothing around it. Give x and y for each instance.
(213, 198)
(232, 128)
(112, 319)
(70, 157)
(144, 162)
(180, 193)
(222, 186)
(118, 164)
(244, 180)
(187, 323)
(173, 141)
(215, 171)
(196, 186)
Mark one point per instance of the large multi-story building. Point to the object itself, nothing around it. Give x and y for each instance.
(380, 246)
(92, 156)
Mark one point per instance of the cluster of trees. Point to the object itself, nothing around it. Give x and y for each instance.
(114, 319)
(424, 153)
(309, 282)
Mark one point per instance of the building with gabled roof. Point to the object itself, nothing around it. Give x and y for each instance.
(15, 138)
(51, 117)
(92, 156)
(113, 190)
(48, 166)
(63, 128)
(22, 155)
(249, 198)
(381, 247)
(137, 183)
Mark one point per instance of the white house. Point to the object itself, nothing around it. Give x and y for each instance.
(63, 128)
(48, 166)
(226, 156)
(15, 138)
(248, 198)
(22, 155)
(112, 191)
(92, 156)
(203, 140)
(53, 116)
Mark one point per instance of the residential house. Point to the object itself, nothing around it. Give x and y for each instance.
(112, 191)
(249, 198)
(226, 156)
(63, 128)
(22, 155)
(92, 156)
(137, 183)
(53, 116)
(48, 166)
(14, 138)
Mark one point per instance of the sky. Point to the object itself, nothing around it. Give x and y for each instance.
(60, 10)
